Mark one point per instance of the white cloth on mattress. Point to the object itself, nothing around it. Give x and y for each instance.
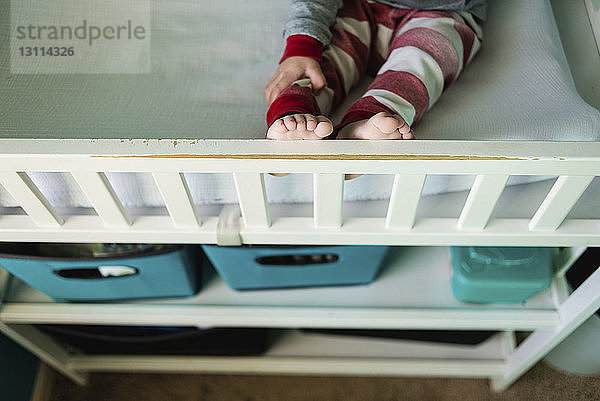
(210, 61)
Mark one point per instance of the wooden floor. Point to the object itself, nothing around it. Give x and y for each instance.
(541, 383)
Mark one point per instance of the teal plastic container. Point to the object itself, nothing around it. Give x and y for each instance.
(500, 274)
(269, 267)
(170, 272)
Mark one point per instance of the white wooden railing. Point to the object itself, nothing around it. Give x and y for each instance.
(575, 164)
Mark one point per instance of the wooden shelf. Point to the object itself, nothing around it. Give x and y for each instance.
(412, 291)
(296, 352)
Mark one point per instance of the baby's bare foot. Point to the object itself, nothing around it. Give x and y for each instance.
(300, 126)
(381, 126)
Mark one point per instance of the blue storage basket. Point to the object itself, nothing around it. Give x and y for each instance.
(169, 272)
(268, 267)
(500, 274)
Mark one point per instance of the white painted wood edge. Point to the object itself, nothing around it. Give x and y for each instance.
(328, 199)
(103, 198)
(29, 197)
(404, 201)
(480, 203)
(293, 365)
(252, 198)
(558, 203)
(177, 198)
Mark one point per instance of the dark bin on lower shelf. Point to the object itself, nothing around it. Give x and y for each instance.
(136, 340)
(461, 337)
(65, 272)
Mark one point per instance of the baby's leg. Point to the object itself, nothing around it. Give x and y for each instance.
(294, 113)
(426, 55)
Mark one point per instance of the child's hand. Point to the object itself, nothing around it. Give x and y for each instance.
(291, 70)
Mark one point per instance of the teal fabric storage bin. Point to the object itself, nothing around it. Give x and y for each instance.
(172, 271)
(269, 267)
(499, 274)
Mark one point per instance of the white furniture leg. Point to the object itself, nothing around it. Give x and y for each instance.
(44, 348)
(576, 309)
(37, 342)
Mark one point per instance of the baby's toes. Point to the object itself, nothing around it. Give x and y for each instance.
(290, 123)
(324, 127)
(408, 135)
(277, 130)
(388, 135)
(300, 123)
(403, 127)
(311, 122)
(385, 122)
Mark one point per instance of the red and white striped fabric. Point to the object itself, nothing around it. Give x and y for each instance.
(415, 55)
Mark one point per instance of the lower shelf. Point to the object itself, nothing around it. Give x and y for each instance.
(297, 352)
(412, 291)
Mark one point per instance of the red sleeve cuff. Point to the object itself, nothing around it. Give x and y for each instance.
(303, 46)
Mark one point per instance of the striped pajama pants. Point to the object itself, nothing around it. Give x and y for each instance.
(415, 55)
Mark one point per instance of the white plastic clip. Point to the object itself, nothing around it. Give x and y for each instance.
(228, 226)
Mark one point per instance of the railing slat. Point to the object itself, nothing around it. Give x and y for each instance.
(179, 202)
(101, 195)
(29, 197)
(558, 203)
(328, 199)
(404, 200)
(481, 201)
(252, 198)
